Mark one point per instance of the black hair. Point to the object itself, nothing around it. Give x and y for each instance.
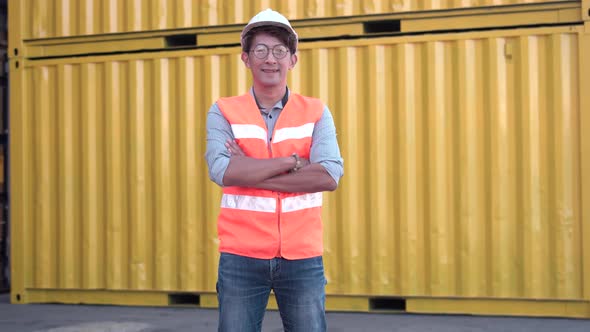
(279, 33)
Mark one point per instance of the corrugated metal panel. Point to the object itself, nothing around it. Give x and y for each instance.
(462, 161)
(584, 77)
(462, 167)
(59, 18)
(112, 156)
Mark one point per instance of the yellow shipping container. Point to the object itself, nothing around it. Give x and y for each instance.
(466, 187)
(63, 18)
(72, 42)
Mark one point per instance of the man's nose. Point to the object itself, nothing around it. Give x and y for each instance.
(271, 58)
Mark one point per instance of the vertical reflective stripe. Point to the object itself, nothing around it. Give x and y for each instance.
(293, 132)
(249, 203)
(301, 202)
(249, 131)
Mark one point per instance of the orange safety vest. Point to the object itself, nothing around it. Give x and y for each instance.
(262, 223)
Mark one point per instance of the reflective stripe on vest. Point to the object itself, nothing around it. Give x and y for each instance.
(294, 132)
(296, 203)
(248, 131)
(249, 203)
(269, 204)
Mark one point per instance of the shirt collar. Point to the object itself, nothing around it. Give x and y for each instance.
(280, 104)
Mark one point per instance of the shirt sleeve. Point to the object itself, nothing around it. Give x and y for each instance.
(217, 156)
(324, 146)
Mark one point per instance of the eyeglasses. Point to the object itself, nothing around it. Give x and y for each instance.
(261, 51)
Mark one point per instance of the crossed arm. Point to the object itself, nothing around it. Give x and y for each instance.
(228, 166)
(273, 174)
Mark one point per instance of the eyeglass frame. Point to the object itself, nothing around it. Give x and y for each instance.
(269, 50)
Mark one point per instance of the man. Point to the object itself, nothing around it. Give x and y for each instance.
(273, 152)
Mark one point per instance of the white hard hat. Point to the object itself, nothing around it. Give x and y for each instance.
(268, 17)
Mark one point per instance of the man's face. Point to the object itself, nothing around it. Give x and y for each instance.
(269, 71)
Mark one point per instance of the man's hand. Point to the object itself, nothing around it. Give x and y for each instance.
(233, 148)
(304, 162)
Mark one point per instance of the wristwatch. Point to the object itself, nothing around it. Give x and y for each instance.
(298, 163)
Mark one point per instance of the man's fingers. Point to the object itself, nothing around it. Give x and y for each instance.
(233, 148)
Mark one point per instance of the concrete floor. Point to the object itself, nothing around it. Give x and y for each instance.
(75, 318)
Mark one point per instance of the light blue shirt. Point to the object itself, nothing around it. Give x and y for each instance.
(324, 146)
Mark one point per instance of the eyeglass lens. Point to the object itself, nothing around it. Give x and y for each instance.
(261, 51)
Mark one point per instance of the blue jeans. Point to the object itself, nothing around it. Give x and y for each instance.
(244, 284)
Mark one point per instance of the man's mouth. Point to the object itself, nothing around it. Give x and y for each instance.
(270, 70)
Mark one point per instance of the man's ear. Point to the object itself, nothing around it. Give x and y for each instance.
(293, 61)
(245, 59)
